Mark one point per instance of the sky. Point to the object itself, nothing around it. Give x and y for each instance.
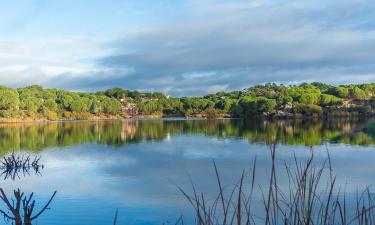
(185, 47)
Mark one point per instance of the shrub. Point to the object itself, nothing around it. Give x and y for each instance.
(329, 100)
(78, 106)
(50, 115)
(30, 113)
(112, 106)
(9, 113)
(357, 93)
(77, 116)
(213, 113)
(309, 98)
(341, 92)
(308, 109)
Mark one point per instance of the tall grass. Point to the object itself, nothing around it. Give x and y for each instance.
(311, 198)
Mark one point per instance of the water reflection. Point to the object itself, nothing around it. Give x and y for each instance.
(129, 164)
(97, 180)
(21, 207)
(119, 133)
(16, 166)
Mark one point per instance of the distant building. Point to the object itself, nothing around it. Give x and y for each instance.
(128, 106)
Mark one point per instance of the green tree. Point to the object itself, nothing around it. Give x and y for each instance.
(112, 106)
(31, 104)
(341, 92)
(9, 99)
(329, 100)
(357, 93)
(309, 98)
(51, 105)
(78, 105)
(116, 93)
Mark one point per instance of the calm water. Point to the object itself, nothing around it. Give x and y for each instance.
(134, 166)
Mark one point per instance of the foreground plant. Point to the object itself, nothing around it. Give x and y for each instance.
(311, 198)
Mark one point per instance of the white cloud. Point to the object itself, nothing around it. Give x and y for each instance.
(211, 46)
(27, 62)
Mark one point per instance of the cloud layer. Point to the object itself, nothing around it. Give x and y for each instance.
(210, 46)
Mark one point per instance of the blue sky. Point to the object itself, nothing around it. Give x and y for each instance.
(185, 47)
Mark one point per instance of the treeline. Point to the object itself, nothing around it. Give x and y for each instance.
(267, 100)
(306, 99)
(34, 101)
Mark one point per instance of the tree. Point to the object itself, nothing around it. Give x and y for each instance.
(65, 100)
(78, 105)
(247, 106)
(197, 105)
(265, 104)
(283, 99)
(225, 104)
(329, 100)
(148, 107)
(116, 93)
(341, 92)
(31, 104)
(321, 86)
(357, 93)
(309, 98)
(308, 109)
(51, 105)
(9, 99)
(252, 106)
(112, 106)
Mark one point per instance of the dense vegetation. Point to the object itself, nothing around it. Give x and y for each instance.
(303, 100)
(266, 100)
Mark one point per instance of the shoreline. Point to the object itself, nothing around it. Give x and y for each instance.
(197, 117)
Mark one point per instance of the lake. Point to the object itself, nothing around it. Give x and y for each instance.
(135, 166)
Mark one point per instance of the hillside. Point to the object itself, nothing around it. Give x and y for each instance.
(269, 101)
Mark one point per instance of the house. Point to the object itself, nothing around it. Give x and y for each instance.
(128, 106)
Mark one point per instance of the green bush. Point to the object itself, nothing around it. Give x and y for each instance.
(50, 115)
(309, 98)
(9, 113)
(213, 113)
(329, 100)
(9, 99)
(308, 109)
(357, 93)
(77, 116)
(112, 106)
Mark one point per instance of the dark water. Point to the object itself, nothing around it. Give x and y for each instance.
(134, 166)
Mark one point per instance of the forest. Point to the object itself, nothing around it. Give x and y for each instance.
(269, 100)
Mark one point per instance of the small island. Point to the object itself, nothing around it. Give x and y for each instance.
(269, 101)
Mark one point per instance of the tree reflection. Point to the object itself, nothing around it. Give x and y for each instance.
(20, 209)
(37, 137)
